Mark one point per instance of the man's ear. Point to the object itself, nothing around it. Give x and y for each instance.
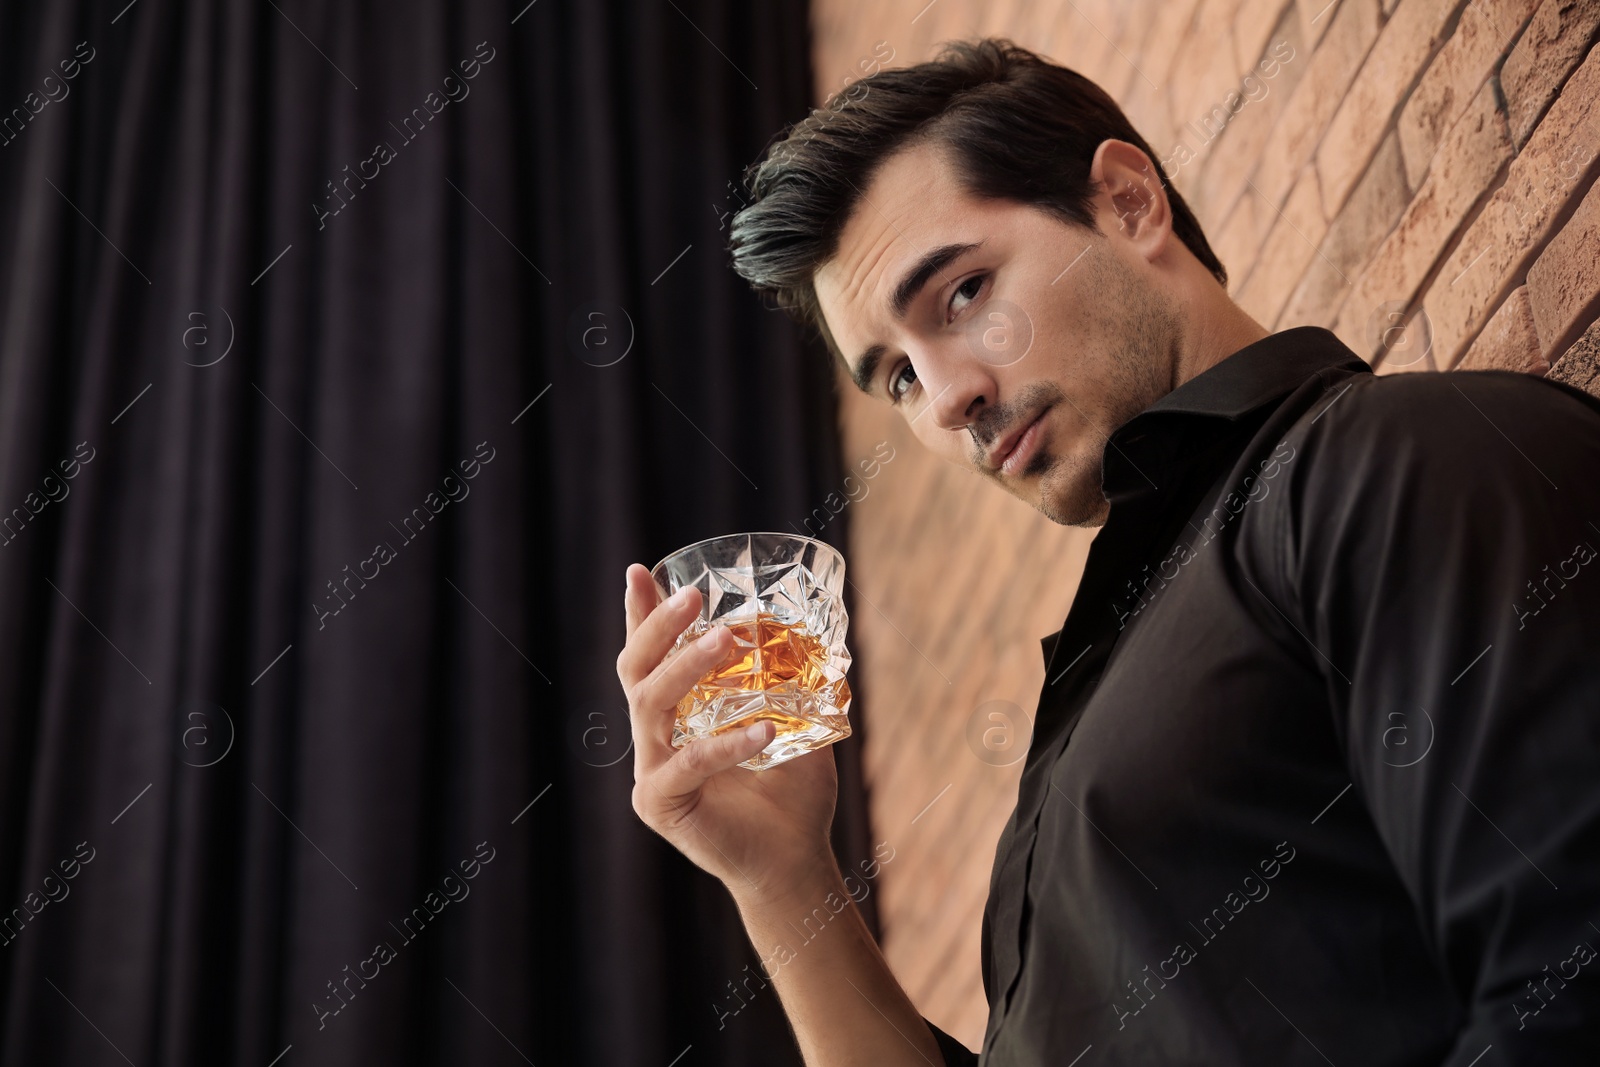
(1131, 194)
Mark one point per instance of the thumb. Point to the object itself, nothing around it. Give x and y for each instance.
(699, 760)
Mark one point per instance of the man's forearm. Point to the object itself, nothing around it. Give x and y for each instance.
(842, 1001)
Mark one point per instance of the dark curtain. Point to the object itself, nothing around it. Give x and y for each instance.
(348, 353)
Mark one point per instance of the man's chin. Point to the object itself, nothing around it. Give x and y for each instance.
(1085, 517)
(1093, 521)
(1069, 501)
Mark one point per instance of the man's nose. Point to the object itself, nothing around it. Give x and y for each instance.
(960, 386)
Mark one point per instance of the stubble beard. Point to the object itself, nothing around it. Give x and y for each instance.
(1071, 487)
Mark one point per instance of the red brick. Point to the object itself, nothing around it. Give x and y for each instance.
(1358, 341)
(1204, 83)
(1146, 108)
(1096, 53)
(1316, 98)
(1580, 366)
(1371, 213)
(1205, 69)
(1560, 35)
(1402, 51)
(1167, 36)
(1481, 38)
(1239, 149)
(1051, 35)
(1405, 341)
(1315, 18)
(1237, 242)
(1290, 246)
(1256, 23)
(1471, 157)
(1520, 217)
(1564, 282)
(1000, 17)
(1509, 341)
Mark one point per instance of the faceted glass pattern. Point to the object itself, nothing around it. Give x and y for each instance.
(781, 595)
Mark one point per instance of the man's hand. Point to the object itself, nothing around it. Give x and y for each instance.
(758, 831)
(765, 835)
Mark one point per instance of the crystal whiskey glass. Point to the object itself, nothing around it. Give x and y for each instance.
(781, 595)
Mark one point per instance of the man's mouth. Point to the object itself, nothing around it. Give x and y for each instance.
(1012, 452)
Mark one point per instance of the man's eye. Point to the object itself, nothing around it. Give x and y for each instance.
(901, 381)
(968, 289)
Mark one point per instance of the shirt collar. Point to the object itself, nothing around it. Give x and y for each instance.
(1155, 445)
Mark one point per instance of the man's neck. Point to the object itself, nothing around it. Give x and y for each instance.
(1218, 329)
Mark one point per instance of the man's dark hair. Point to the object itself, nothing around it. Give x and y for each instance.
(1017, 127)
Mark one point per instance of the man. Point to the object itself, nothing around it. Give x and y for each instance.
(1313, 778)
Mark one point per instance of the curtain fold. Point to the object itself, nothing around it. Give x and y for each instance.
(347, 356)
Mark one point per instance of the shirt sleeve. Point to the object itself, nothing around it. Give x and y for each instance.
(954, 1052)
(1442, 566)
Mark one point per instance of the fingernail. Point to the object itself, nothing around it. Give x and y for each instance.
(681, 597)
(709, 638)
(756, 731)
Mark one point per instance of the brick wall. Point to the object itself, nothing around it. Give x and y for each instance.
(1416, 175)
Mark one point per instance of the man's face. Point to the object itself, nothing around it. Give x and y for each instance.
(1017, 356)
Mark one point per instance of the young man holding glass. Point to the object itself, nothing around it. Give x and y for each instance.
(1316, 774)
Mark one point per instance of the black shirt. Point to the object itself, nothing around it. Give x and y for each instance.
(1315, 775)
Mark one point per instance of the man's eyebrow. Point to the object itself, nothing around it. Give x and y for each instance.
(867, 367)
(904, 293)
(918, 276)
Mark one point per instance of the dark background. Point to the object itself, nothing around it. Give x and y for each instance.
(268, 773)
